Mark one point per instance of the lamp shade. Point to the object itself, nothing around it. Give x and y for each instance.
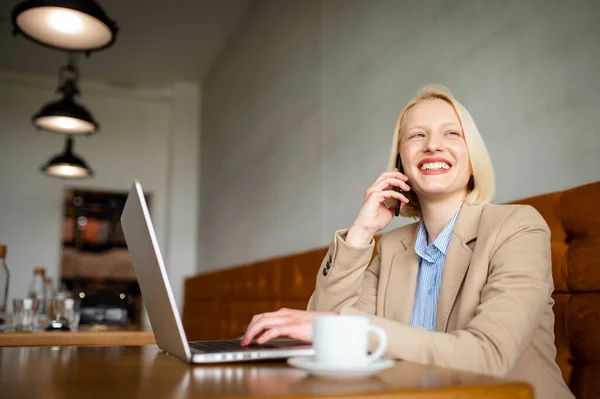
(66, 116)
(71, 25)
(67, 165)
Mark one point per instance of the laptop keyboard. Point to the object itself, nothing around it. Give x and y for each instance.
(234, 346)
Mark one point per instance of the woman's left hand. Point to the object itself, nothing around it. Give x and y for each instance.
(291, 323)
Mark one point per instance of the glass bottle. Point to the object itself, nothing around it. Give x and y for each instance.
(36, 287)
(37, 290)
(49, 293)
(4, 280)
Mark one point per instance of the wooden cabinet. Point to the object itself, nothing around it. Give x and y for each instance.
(95, 262)
(92, 220)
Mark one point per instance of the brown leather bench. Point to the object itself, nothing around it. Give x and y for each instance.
(574, 219)
(220, 304)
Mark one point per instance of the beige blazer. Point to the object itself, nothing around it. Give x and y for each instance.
(494, 312)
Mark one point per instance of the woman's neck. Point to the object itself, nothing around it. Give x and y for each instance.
(437, 214)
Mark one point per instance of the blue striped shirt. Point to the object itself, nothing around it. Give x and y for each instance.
(429, 279)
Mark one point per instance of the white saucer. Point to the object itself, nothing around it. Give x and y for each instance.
(309, 364)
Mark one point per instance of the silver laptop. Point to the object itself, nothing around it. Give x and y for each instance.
(160, 304)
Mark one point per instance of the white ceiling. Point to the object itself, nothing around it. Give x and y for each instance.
(158, 42)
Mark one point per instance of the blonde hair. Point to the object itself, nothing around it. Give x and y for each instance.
(481, 185)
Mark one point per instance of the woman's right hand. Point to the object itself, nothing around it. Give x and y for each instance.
(374, 215)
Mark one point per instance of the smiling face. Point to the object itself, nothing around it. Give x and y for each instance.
(434, 153)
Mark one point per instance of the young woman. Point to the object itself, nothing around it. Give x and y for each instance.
(468, 286)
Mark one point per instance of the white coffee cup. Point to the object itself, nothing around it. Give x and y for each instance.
(342, 341)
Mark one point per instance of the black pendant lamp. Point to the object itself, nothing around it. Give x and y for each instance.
(67, 165)
(70, 25)
(66, 115)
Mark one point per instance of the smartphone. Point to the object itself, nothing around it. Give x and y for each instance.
(398, 189)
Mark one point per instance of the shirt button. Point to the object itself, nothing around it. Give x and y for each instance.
(325, 272)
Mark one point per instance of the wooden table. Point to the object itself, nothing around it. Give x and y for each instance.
(146, 372)
(57, 338)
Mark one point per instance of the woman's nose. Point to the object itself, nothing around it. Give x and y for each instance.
(433, 143)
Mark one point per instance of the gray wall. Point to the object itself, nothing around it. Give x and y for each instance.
(299, 109)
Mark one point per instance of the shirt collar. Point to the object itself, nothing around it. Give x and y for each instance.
(441, 242)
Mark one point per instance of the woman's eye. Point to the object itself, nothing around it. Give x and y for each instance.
(417, 135)
(452, 132)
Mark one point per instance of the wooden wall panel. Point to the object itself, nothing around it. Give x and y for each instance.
(219, 305)
(200, 319)
(241, 313)
(202, 286)
(260, 280)
(223, 320)
(298, 274)
(226, 283)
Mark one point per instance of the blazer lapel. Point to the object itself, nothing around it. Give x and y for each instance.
(458, 258)
(402, 282)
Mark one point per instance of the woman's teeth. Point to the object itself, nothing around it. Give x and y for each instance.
(435, 166)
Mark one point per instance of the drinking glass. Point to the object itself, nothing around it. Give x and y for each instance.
(24, 313)
(64, 314)
(72, 313)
